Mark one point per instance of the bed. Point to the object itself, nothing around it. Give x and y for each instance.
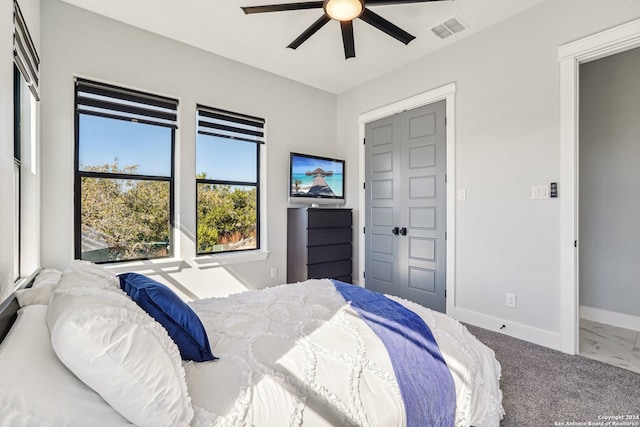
(90, 348)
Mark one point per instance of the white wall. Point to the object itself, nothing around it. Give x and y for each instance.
(507, 139)
(298, 118)
(6, 148)
(609, 183)
(31, 12)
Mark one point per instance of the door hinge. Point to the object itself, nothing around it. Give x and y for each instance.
(364, 185)
(575, 243)
(445, 293)
(445, 178)
(363, 230)
(445, 120)
(364, 141)
(364, 274)
(445, 235)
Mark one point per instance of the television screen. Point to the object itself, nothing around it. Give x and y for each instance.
(316, 180)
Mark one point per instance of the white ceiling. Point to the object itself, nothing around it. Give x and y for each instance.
(260, 40)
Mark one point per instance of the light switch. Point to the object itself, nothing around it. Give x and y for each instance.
(462, 195)
(539, 192)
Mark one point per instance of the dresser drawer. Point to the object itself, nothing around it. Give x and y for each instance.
(318, 254)
(329, 269)
(328, 236)
(327, 218)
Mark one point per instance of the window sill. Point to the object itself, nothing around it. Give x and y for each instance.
(176, 264)
(163, 264)
(219, 260)
(25, 281)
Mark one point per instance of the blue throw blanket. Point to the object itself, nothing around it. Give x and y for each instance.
(424, 379)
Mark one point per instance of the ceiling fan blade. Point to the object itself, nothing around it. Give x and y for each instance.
(282, 7)
(347, 39)
(383, 25)
(389, 2)
(309, 31)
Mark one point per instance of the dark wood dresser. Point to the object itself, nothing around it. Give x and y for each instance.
(319, 244)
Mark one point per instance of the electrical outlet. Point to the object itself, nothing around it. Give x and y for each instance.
(274, 272)
(511, 300)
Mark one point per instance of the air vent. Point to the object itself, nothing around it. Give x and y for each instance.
(448, 28)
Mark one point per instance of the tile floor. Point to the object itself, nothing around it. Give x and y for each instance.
(610, 344)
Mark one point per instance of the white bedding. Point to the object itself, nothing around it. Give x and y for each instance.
(297, 354)
(292, 355)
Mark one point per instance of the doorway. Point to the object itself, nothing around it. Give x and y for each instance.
(608, 229)
(571, 56)
(445, 93)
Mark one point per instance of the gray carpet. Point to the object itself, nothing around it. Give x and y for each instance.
(544, 387)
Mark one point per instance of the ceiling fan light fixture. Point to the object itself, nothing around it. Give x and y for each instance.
(343, 10)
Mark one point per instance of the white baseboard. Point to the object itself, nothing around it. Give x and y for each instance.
(514, 329)
(621, 320)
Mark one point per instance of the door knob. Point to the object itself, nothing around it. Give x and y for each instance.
(403, 231)
(395, 230)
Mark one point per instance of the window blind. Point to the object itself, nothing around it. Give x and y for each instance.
(104, 100)
(226, 124)
(24, 52)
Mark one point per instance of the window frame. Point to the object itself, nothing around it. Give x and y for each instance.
(80, 174)
(256, 137)
(26, 75)
(17, 163)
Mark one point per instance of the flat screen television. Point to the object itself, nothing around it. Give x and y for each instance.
(316, 180)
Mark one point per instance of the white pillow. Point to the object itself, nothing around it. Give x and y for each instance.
(31, 296)
(119, 351)
(47, 277)
(41, 289)
(37, 389)
(97, 273)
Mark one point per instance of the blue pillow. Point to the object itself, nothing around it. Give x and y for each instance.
(180, 321)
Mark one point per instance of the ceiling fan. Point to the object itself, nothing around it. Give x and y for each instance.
(344, 11)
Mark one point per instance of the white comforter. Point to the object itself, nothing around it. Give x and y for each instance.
(298, 354)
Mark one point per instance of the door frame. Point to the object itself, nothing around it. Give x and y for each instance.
(447, 93)
(570, 56)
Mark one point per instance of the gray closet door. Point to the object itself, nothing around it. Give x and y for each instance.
(405, 166)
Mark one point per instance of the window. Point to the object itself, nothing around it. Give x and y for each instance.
(25, 97)
(17, 142)
(124, 173)
(227, 181)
